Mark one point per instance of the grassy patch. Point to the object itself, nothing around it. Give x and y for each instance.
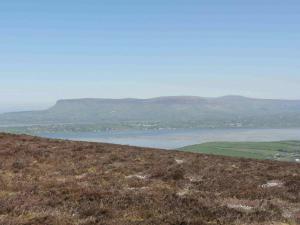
(282, 150)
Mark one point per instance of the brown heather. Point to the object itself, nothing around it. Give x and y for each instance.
(53, 182)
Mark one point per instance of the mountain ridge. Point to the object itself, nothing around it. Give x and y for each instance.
(166, 112)
(155, 99)
(179, 97)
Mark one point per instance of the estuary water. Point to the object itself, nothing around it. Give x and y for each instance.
(172, 139)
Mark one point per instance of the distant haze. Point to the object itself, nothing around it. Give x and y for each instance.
(62, 49)
(36, 92)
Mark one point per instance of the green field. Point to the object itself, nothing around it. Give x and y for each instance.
(283, 150)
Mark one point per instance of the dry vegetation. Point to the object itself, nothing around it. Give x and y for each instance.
(51, 182)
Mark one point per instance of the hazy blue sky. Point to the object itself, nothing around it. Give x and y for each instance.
(143, 48)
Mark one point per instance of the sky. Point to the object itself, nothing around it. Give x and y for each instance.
(51, 50)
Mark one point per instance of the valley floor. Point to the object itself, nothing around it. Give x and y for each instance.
(55, 182)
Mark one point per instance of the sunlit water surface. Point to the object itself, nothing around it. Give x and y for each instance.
(171, 139)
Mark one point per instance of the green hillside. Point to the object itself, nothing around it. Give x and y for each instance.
(283, 150)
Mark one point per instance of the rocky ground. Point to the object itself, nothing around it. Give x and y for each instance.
(54, 182)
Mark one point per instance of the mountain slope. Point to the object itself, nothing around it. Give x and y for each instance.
(180, 111)
(59, 182)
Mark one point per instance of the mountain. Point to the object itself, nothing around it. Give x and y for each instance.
(165, 112)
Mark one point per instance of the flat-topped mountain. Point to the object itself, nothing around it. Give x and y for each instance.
(166, 112)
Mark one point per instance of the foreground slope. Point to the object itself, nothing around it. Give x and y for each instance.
(62, 182)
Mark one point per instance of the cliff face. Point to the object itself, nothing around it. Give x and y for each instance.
(46, 181)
